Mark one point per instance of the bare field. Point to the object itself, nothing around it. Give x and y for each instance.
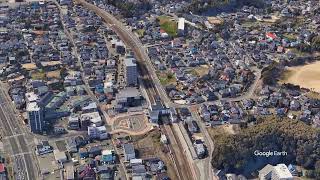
(307, 76)
(149, 146)
(230, 129)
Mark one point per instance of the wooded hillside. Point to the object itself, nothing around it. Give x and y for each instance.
(202, 5)
(235, 153)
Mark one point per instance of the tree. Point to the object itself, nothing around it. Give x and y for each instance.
(309, 173)
(317, 170)
(315, 43)
(300, 141)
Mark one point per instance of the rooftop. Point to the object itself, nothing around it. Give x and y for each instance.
(31, 97)
(33, 106)
(282, 171)
(130, 62)
(181, 23)
(107, 152)
(128, 92)
(128, 148)
(50, 63)
(2, 168)
(93, 116)
(91, 105)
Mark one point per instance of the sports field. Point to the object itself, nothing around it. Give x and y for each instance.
(307, 76)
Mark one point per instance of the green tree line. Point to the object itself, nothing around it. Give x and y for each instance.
(201, 5)
(235, 153)
(129, 8)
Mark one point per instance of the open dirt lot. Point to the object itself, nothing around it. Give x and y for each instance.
(149, 146)
(307, 76)
(133, 124)
(231, 129)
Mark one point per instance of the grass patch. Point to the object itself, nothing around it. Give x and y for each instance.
(149, 146)
(298, 22)
(193, 72)
(250, 24)
(167, 78)
(286, 75)
(298, 52)
(140, 32)
(290, 36)
(168, 25)
(313, 95)
(219, 38)
(38, 75)
(202, 70)
(61, 145)
(227, 129)
(10, 173)
(199, 71)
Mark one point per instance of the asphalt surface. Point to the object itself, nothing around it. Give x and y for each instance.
(21, 155)
(87, 88)
(132, 41)
(152, 83)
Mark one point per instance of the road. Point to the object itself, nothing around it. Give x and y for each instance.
(75, 50)
(132, 41)
(106, 117)
(152, 83)
(139, 49)
(175, 146)
(206, 164)
(15, 134)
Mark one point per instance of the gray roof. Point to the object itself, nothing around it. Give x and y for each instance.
(138, 169)
(130, 62)
(92, 105)
(266, 170)
(128, 148)
(128, 92)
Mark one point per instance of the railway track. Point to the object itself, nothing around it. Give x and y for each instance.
(176, 153)
(175, 148)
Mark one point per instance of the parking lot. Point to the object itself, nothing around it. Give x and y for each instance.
(48, 166)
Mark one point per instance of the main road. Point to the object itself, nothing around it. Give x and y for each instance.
(15, 134)
(139, 49)
(133, 42)
(140, 52)
(152, 83)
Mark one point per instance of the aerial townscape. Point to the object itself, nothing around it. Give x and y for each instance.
(159, 89)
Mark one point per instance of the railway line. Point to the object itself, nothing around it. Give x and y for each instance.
(152, 86)
(176, 156)
(175, 147)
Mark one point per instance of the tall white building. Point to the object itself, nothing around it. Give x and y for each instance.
(181, 26)
(131, 72)
(35, 117)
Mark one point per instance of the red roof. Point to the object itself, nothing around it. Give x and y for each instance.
(2, 168)
(271, 35)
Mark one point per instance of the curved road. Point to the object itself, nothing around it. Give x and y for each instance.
(133, 41)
